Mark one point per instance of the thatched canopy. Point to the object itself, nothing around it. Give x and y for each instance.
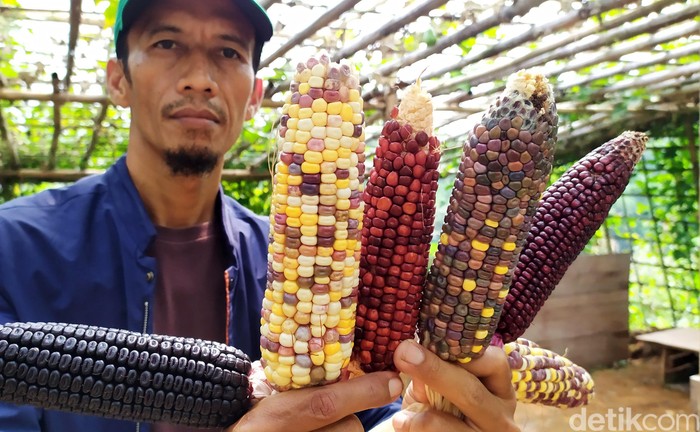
(615, 65)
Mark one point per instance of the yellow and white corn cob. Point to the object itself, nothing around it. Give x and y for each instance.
(308, 314)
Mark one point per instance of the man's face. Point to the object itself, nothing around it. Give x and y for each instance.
(191, 81)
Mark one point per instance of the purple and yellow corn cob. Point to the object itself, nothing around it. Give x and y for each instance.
(308, 314)
(505, 167)
(398, 226)
(544, 377)
(569, 214)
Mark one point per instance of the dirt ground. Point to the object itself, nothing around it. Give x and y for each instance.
(633, 390)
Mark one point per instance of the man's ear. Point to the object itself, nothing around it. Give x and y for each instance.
(256, 99)
(117, 84)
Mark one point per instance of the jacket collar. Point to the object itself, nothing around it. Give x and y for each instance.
(129, 206)
(131, 210)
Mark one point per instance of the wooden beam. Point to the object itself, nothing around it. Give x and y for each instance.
(28, 14)
(75, 15)
(694, 79)
(504, 15)
(21, 95)
(390, 27)
(9, 140)
(68, 176)
(650, 78)
(650, 26)
(95, 136)
(605, 56)
(547, 53)
(51, 162)
(664, 57)
(534, 33)
(324, 19)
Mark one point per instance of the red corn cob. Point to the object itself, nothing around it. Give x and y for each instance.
(398, 226)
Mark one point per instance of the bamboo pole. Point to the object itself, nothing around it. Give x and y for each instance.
(664, 57)
(75, 16)
(390, 27)
(534, 33)
(605, 56)
(504, 15)
(97, 129)
(51, 161)
(326, 18)
(563, 49)
(68, 176)
(9, 141)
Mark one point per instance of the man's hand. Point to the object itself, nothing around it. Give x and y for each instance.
(327, 408)
(481, 389)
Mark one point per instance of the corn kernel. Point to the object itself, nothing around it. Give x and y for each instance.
(500, 270)
(346, 113)
(334, 108)
(480, 246)
(330, 155)
(317, 358)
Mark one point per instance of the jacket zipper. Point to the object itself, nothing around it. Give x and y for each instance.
(145, 329)
(145, 317)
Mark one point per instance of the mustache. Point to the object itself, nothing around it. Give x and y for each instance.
(168, 109)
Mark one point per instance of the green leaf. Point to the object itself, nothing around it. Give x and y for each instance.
(430, 38)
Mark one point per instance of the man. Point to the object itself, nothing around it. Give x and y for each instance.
(154, 245)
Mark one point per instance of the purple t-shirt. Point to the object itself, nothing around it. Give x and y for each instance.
(190, 297)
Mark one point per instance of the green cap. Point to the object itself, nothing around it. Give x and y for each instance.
(128, 10)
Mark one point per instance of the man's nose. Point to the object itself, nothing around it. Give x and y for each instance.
(198, 75)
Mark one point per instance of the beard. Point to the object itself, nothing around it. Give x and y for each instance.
(192, 161)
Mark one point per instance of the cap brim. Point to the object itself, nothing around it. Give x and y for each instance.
(255, 13)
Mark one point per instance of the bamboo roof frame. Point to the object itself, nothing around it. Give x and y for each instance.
(639, 26)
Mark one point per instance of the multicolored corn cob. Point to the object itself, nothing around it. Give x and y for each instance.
(121, 374)
(543, 377)
(398, 226)
(505, 168)
(570, 213)
(308, 314)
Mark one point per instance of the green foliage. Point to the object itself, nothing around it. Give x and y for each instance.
(656, 221)
(253, 195)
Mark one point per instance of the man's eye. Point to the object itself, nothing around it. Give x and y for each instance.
(165, 44)
(230, 53)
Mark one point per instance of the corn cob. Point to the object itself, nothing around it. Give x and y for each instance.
(505, 167)
(543, 377)
(571, 211)
(308, 314)
(121, 374)
(398, 226)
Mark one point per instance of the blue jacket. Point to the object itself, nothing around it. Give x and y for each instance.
(78, 255)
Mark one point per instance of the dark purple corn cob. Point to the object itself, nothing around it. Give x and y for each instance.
(122, 374)
(569, 213)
